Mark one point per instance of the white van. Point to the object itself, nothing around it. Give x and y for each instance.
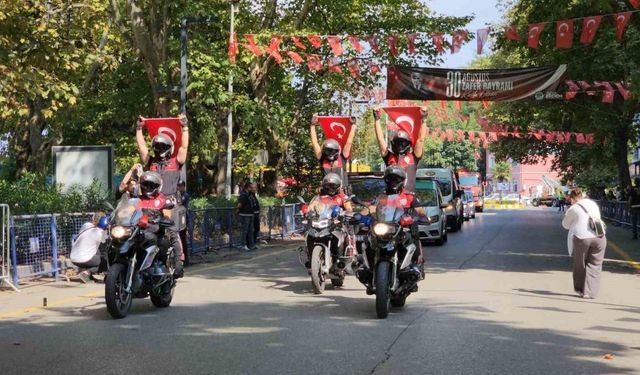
(451, 193)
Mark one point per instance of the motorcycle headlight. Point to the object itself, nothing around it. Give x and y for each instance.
(320, 224)
(120, 232)
(384, 231)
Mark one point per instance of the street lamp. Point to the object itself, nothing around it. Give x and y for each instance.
(227, 180)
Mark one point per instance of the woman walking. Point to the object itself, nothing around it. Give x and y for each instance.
(587, 242)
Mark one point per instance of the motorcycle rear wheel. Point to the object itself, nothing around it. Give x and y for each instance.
(383, 289)
(317, 277)
(118, 301)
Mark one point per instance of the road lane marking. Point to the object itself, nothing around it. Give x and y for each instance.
(618, 250)
(100, 293)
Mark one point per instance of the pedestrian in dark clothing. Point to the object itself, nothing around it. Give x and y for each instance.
(185, 197)
(247, 202)
(256, 221)
(634, 206)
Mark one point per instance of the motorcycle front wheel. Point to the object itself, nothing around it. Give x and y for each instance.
(383, 289)
(117, 299)
(163, 299)
(317, 275)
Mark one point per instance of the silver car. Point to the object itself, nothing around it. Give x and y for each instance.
(469, 207)
(433, 227)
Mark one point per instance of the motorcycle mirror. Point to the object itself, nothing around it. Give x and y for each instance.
(168, 206)
(301, 200)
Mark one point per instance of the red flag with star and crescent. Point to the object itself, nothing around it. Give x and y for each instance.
(336, 127)
(534, 34)
(407, 119)
(171, 127)
(589, 29)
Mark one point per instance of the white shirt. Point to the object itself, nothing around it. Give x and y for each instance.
(87, 243)
(577, 221)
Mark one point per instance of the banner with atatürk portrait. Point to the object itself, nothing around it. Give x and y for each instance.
(413, 83)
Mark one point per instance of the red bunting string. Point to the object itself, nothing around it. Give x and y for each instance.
(298, 43)
(336, 45)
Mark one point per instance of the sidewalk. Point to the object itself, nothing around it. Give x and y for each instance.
(33, 295)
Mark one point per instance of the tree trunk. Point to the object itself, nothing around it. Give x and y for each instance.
(622, 155)
(30, 147)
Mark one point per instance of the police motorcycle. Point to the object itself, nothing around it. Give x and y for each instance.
(387, 268)
(330, 251)
(137, 270)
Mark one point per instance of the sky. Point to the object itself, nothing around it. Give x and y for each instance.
(485, 12)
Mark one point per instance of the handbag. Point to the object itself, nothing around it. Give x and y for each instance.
(596, 225)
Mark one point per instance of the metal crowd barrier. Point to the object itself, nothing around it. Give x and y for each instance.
(616, 212)
(39, 245)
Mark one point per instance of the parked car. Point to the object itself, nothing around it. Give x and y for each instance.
(469, 206)
(451, 193)
(432, 228)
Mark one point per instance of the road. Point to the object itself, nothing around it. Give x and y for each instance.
(497, 299)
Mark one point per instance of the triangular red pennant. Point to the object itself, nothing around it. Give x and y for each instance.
(315, 40)
(438, 41)
(623, 91)
(298, 43)
(580, 138)
(354, 68)
(295, 57)
(355, 42)
(589, 29)
(608, 93)
(588, 139)
(461, 135)
(374, 67)
(481, 39)
(485, 104)
(535, 30)
(586, 86)
(411, 43)
(171, 127)
(472, 136)
(493, 136)
(373, 43)
(408, 119)
(458, 105)
(393, 44)
(313, 62)
(336, 45)
(252, 46)
(564, 34)
(459, 38)
(449, 134)
(573, 90)
(622, 19)
(334, 66)
(336, 127)
(274, 49)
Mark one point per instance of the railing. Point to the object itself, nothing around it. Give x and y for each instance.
(5, 246)
(40, 245)
(616, 212)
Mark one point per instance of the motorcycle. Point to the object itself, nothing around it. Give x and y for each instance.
(386, 268)
(136, 272)
(330, 243)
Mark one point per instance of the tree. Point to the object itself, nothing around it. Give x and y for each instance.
(501, 171)
(604, 60)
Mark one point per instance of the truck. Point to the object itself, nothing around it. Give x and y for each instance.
(473, 181)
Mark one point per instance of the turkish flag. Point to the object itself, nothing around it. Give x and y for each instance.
(314, 62)
(334, 66)
(493, 136)
(295, 57)
(580, 138)
(355, 42)
(443, 104)
(449, 134)
(635, 3)
(436, 134)
(443, 136)
(336, 45)
(535, 134)
(458, 105)
(393, 44)
(485, 104)
(564, 34)
(373, 42)
(298, 43)
(315, 40)
(411, 43)
(550, 136)
(589, 28)
(623, 91)
(336, 127)
(573, 90)
(512, 33)
(274, 49)
(586, 86)
(472, 136)
(252, 46)
(459, 37)
(481, 39)
(460, 135)
(354, 68)
(374, 67)
(622, 19)
(535, 29)
(438, 41)
(608, 93)
(171, 127)
(407, 119)
(588, 138)
(233, 47)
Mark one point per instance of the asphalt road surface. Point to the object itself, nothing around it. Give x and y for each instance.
(497, 299)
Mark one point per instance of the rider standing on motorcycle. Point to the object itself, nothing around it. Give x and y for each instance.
(331, 190)
(168, 167)
(401, 153)
(332, 158)
(395, 179)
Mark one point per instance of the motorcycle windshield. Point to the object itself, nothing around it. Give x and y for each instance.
(321, 207)
(126, 214)
(390, 208)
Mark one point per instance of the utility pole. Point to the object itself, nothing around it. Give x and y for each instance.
(227, 180)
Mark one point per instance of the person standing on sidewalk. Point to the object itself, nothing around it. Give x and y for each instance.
(634, 206)
(246, 210)
(585, 244)
(256, 218)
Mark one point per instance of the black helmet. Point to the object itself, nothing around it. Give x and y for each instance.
(401, 142)
(395, 178)
(162, 145)
(150, 184)
(331, 184)
(331, 149)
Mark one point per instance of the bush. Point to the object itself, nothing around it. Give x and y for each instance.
(209, 202)
(30, 195)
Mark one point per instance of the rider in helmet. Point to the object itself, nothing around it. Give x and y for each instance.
(401, 153)
(168, 164)
(332, 191)
(332, 157)
(152, 202)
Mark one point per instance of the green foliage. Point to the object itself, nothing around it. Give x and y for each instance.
(501, 171)
(29, 195)
(220, 202)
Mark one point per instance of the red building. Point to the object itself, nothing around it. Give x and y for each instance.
(525, 178)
